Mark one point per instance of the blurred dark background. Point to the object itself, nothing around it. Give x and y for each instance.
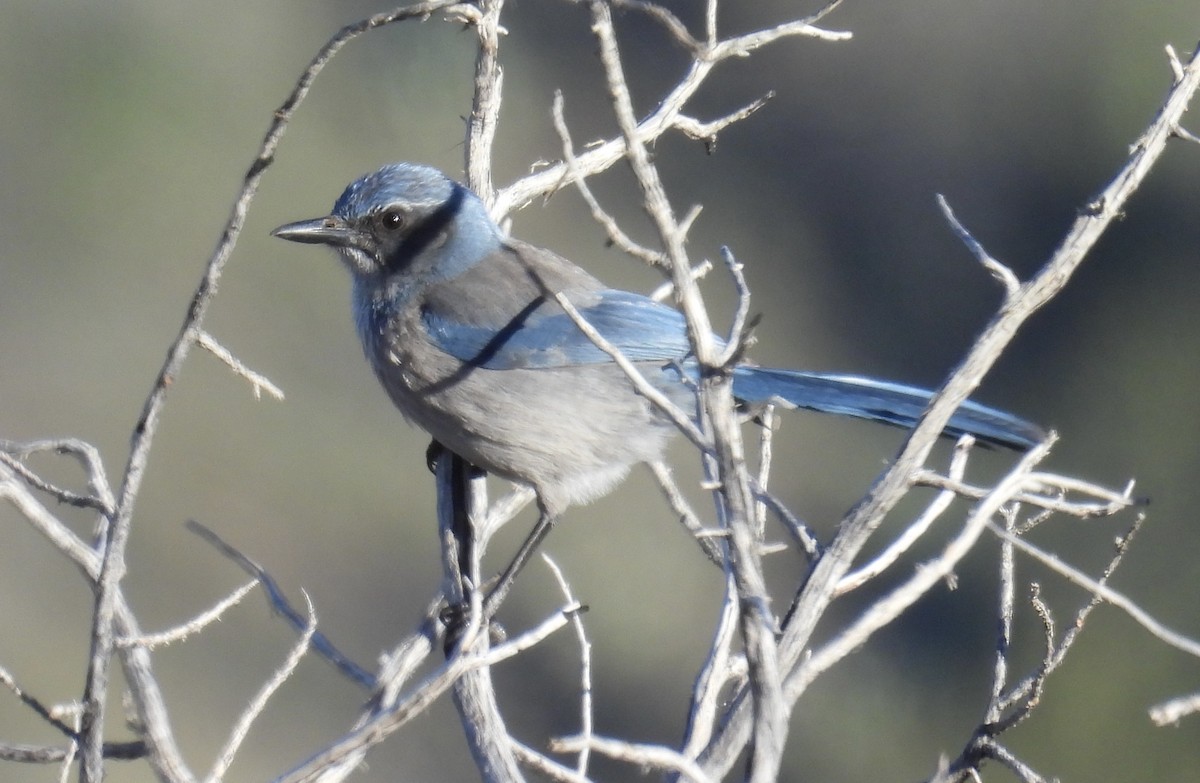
(126, 129)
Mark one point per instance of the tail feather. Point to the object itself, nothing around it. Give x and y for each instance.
(891, 403)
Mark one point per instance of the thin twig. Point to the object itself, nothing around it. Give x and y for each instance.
(615, 234)
(735, 500)
(716, 674)
(1002, 273)
(279, 602)
(1007, 602)
(903, 542)
(1045, 493)
(258, 382)
(195, 625)
(586, 720)
(256, 706)
(894, 483)
(1174, 710)
(1143, 618)
(636, 753)
(687, 516)
(900, 598)
(13, 454)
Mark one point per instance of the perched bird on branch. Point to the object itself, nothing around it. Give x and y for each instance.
(461, 325)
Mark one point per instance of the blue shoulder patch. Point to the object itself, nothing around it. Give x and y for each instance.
(643, 329)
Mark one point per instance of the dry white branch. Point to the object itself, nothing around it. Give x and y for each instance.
(639, 754)
(1174, 63)
(668, 288)
(739, 337)
(894, 483)
(113, 565)
(1174, 710)
(539, 762)
(669, 112)
(615, 234)
(1128, 605)
(586, 720)
(1026, 689)
(339, 759)
(1007, 595)
(766, 453)
(258, 381)
(1002, 273)
(534, 636)
(195, 625)
(707, 131)
(1046, 491)
(13, 454)
(735, 501)
(504, 511)
(926, 577)
(164, 755)
(911, 534)
(687, 516)
(242, 726)
(719, 671)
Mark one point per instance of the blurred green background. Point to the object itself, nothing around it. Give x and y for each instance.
(126, 127)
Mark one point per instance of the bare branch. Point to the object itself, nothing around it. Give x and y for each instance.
(903, 542)
(485, 104)
(707, 131)
(1002, 273)
(717, 673)
(1119, 600)
(1023, 689)
(803, 535)
(13, 454)
(766, 440)
(667, 114)
(242, 726)
(1174, 710)
(195, 625)
(639, 754)
(687, 517)
(735, 501)
(668, 288)
(891, 605)
(894, 483)
(324, 647)
(586, 720)
(258, 382)
(1046, 491)
(615, 234)
(539, 762)
(739, 339)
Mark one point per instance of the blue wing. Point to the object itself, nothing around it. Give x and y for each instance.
(540, 339)
(644, 330)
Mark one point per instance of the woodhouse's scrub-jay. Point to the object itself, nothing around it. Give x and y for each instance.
(460, 325)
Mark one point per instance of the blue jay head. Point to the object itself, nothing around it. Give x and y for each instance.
(402, 218)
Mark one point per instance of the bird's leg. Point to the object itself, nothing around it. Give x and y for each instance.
(495, 597)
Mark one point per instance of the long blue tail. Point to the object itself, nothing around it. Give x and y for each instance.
(891, 403)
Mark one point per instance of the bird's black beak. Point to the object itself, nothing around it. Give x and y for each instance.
(330, 230)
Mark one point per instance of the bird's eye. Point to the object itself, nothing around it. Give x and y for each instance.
(392, 220)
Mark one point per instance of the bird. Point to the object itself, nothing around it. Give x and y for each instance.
(462, 328)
